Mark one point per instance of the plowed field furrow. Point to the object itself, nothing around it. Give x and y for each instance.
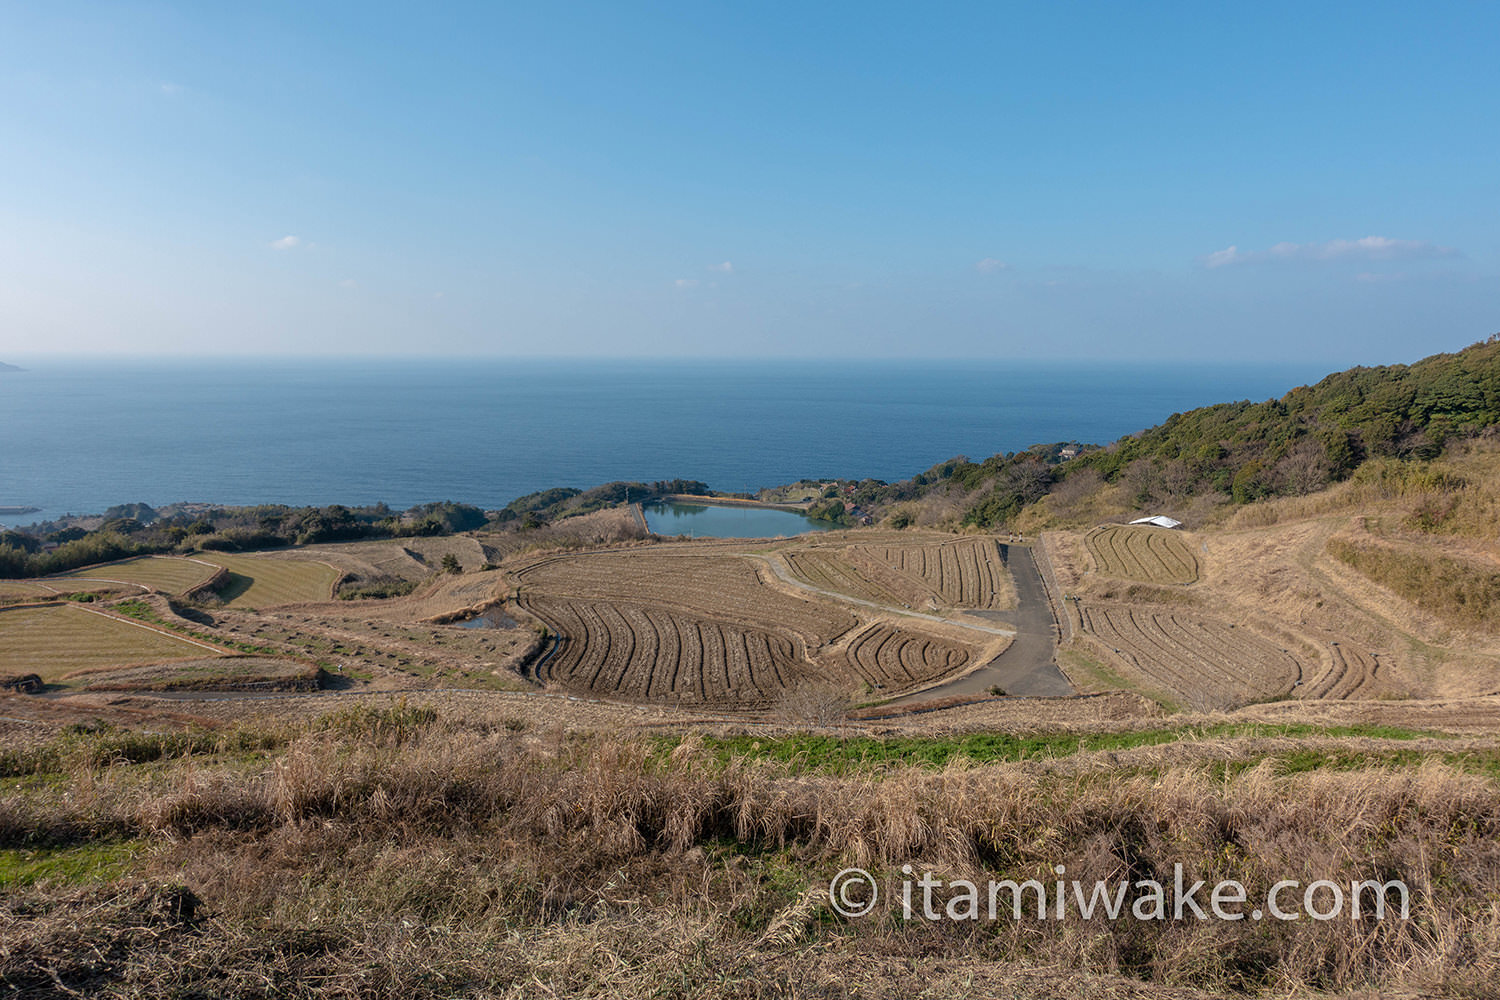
(887, 657)
(778, 652)
(1208, 661)
(712, 585)
(650, 651)
(622, 639)
(723, 659)
(650, 645)
(692, 659)
(671, 651)
(1350, 674)
(596, 646)
(967, 573)
(1137, 552)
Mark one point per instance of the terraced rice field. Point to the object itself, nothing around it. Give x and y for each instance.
(243, 673)
(713, 585)
(969, 573)
(59, 639)
(890, 658)
(705, 628)
(170, 574)
(1350, 674)
(1136, 552)
(1206, 662)
(645, 653)
(20, 591)
(830, 569)
(264, 581)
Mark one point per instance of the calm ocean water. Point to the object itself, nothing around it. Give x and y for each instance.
(81, 436)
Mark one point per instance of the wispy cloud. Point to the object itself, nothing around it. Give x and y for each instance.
(286, 243)
(686, 282)
(1365, 248)
(348, 283)
(990, 265)
(171, 89)
(726, 267)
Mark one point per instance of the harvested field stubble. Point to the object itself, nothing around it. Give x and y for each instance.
(267, 581)
(166, 573)
(1136, 552)
(886, 657)
(705, 628)
(715, 585)
(1206, 662)
(964, 573)
(58, 639)
(653, 654)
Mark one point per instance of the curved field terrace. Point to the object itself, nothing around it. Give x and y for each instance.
(1204, 662)
(1150, 555)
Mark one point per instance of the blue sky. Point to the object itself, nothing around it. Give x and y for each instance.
(957, 180)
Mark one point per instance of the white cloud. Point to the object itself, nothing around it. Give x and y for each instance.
(1219, 258)
(686, 282)
(171, 89)
(1364, 248)
(348, 283)
(990, 265)
(286, 243)
(726, 267)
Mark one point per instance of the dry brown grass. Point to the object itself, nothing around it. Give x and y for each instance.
(398, 854)
(223, 673)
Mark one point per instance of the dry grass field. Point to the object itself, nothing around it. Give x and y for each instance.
(222, 673)
(169, 574)
(25, 591)
(61, 639)
(1136, 552)
(264, 581)
(392, 849)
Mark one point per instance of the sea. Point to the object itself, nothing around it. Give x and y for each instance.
(78, 436)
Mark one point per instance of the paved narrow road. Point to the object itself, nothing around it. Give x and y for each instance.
(1027, 667)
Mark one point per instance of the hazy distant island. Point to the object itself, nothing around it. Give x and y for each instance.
(10, 368)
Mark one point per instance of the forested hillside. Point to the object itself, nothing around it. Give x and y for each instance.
(1308, 439)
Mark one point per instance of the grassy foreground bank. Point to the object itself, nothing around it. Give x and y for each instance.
(395, 852)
